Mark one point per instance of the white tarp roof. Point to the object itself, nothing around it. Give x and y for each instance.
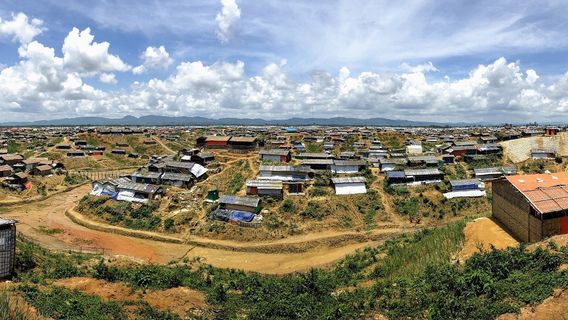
(465, 194)
(350, 188)
(198, 170)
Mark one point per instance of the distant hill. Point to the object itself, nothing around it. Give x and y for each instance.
(153, 120)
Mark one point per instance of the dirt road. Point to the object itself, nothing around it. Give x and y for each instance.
(60, 233)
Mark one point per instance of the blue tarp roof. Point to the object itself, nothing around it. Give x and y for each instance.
(241, 216)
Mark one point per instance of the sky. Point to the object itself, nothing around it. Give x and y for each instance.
(431, 60)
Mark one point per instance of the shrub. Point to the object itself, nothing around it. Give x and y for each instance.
(287, 206)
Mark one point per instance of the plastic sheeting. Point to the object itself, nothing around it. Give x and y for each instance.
(130, 197)
(465, 194)
(198, 170)
(241, 216)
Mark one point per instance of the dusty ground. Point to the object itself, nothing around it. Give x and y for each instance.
(553, 308)
(50, 214)
(518, 150)
(482, 233)
(180, 301)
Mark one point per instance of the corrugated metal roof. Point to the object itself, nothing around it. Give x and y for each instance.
(316, 162)
(464, 182)
(422, 172)
(147, 175)
(243, 201)
(265, 184)
(176, 176)
(349, 162)
(340, 180)
(275, 152)
(243, 139)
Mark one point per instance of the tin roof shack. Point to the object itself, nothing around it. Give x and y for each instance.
(537, 154)
(422, 161)
(276, 155)
(126, 190)
(243, 144)
(315, 155)
(414, 149)
(466, 188)
(386, 165)
(197, 170)
(265, 188)
(7, 247)
(31, 163)
(248, 204)
(180, 180)
(42, 170)
(75, 154)
(432, 175)
(348, 166)
(146, 177)
(202, 158)
(5, 170)
(448, 158)
(317, 164)
(493, 173)
(217, 142)
(285, 173)
(460, 151)
(532, 207)
(349, 185)
(11, 159)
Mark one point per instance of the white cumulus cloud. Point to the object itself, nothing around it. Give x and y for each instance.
(21, 28)
(109, 78)
(153, 58)
(81, 54)
(227, 19)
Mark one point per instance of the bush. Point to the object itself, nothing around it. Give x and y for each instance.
(287, 206)
(314, 211)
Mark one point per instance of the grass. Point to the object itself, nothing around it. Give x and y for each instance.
(11, 308)
(48, 231)
(429, 247)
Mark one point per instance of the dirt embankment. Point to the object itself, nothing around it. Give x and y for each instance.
(49, 214)
(483, 233)
(182, 301)
(553, 308)
(519, 150)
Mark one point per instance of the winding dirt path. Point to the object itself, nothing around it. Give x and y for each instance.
(325, 248)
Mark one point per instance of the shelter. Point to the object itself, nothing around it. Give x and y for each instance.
(264, 188)
(276, 155)
(248, 204)
(349, 185)
(532, 207)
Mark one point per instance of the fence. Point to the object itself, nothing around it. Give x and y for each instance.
(99, 175)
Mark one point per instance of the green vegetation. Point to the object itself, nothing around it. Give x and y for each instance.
(314, 147)
(314, 211)
(73, 179)
(411, 277)
(287, 206)
(12, 309)
(236, 183)
(130, 215)
(408, 255)
(14, 147)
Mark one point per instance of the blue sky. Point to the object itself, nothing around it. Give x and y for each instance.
(430, 60)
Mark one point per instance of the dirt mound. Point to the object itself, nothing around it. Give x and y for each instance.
(181, 301)
(105, 290)
(481, 234)
(559, 240)
(553, 308)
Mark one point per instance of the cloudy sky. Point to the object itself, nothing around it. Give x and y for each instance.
(438, 60)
